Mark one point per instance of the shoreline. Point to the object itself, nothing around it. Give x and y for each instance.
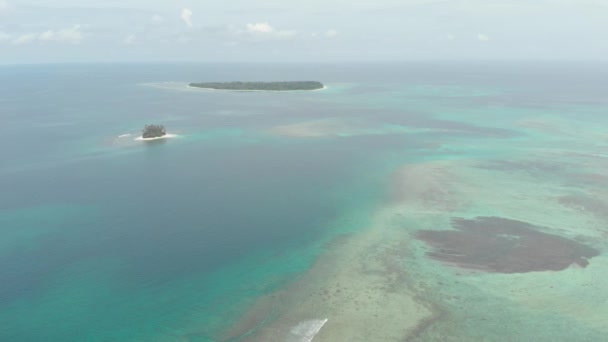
(166, 136)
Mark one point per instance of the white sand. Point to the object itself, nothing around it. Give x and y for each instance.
(166, 136)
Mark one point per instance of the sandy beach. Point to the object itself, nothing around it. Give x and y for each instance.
(166, 136)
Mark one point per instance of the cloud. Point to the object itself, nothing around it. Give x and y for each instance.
(130, 39)
(260, 28)
(265, 30)
(157, 19)
(25, 38)
(483, 37)
(331, 33)
(48, 35)
(187, 16)
(70, 35)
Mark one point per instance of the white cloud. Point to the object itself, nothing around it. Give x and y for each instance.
(48, 35)
(483, 37)
(70, 35)
(265, 30)
(24, 39)
(130, 39)
(157, 19)
(331, 33)
(187, 16)
(260, 28)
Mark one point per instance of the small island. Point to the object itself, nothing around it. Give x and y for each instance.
(153, 131)
(260, 86)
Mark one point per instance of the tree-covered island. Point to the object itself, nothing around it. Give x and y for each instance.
(153, 131)
(261, 86)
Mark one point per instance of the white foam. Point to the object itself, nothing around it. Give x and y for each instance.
(305, 331)
(124, 135)
(166, 136)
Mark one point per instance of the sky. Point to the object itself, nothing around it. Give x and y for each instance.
(48, 31)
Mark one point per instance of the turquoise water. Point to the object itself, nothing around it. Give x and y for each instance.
(109, 239)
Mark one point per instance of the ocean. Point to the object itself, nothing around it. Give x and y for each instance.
(295, 216)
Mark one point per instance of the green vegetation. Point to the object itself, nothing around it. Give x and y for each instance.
(268, 86)
(153, 131)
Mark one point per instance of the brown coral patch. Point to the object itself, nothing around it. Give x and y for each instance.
(494, 244)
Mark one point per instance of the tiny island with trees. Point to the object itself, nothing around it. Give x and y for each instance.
(261, 86)
(153, 131)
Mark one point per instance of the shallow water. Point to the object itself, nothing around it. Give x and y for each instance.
(275, 211)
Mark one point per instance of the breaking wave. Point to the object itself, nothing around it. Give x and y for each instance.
(305, 331)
